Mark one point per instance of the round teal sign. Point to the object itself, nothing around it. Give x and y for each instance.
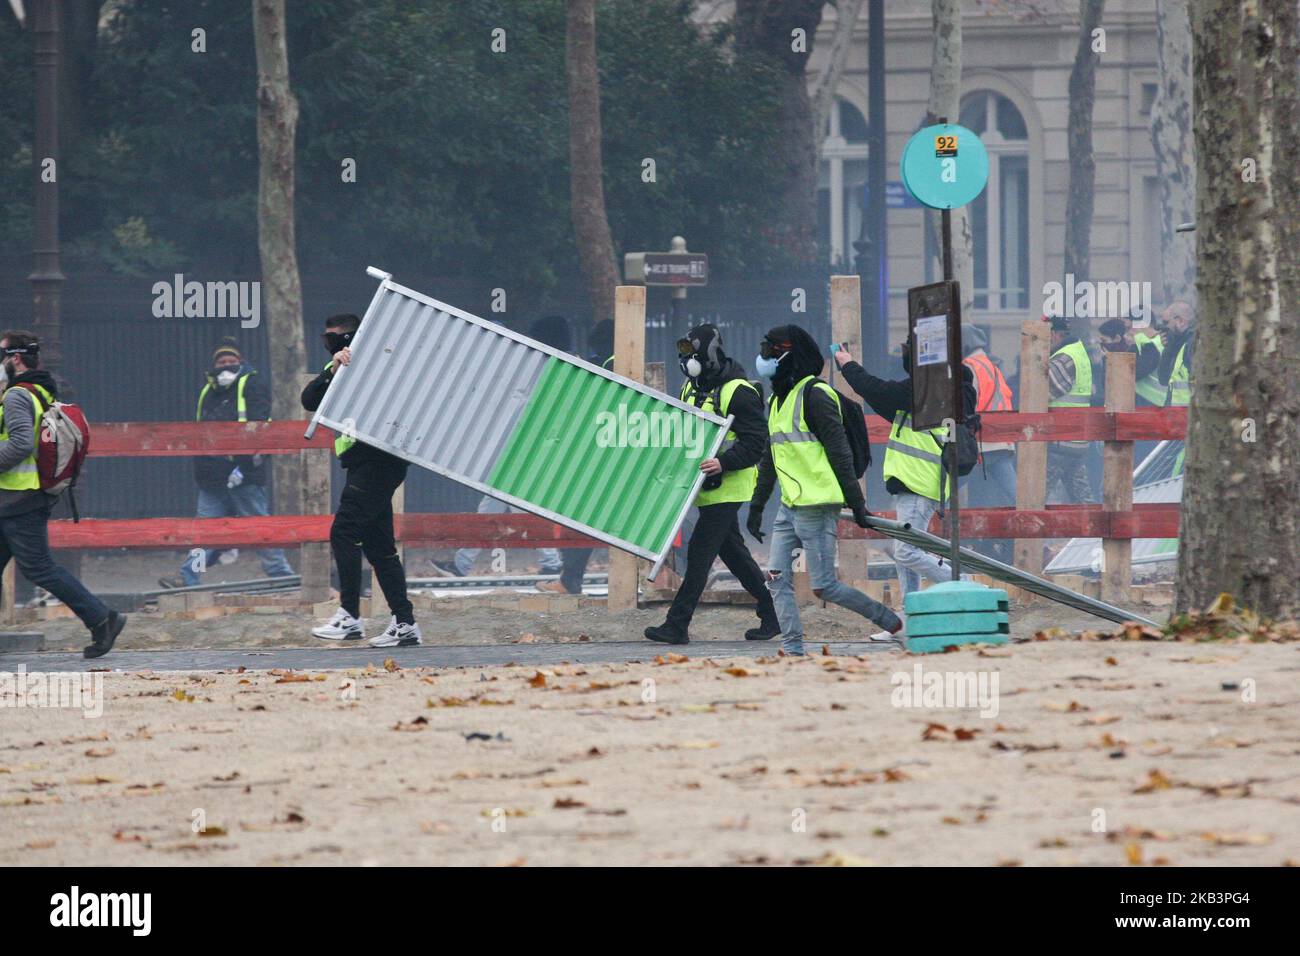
(945, 166)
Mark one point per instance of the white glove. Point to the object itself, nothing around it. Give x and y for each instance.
(236, 478)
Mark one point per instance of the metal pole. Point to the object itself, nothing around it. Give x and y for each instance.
(47, 278)
(878, 321)
(680, 315)
(954, 505)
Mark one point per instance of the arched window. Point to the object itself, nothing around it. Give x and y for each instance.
(1000, 216)
(841, 177)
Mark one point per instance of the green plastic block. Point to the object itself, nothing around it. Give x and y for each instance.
(932, 645)
(972, 622)
(956, 596)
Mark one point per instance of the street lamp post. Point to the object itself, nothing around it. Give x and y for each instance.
(47, 279)
(871, 244)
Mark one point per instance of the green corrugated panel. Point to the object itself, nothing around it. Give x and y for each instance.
(554, 457)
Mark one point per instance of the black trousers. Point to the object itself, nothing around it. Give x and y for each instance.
(717, 535)
(363, 524)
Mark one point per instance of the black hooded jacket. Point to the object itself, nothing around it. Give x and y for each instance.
(821, 412)
(314, 394)
(887, 399)
(750, 423)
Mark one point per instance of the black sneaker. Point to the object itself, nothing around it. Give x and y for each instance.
(173, 582)
(667, 634)
(447, 569)
(765, 631)
(103, 636)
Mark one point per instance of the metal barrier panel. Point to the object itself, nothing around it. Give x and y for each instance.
(520, 421)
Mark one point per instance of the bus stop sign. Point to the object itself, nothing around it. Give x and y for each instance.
(945, 166)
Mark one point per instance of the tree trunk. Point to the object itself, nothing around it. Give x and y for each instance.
(277, 120)
(1171, 136)
(767, 29)
(945, 101)
(846, 18)
(1240, 528)
(1079, 198)
(586, 180)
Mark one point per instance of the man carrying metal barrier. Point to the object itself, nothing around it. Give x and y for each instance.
(718, 384)
(363, 522)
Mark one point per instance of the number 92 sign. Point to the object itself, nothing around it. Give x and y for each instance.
(945, 166)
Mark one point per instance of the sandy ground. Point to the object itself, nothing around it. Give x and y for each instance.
(1106, 753)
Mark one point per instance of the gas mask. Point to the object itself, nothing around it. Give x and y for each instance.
(700, 352)
(335, 342)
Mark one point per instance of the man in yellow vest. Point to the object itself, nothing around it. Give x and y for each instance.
(24, 507)
(1069, 383)
(1118, 335)
(914, 470)
(1178, 335)
(717, 384)
(363, 522)
(809, 453)
(230, 486)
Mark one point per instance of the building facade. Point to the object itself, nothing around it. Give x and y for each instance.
(1015, 80)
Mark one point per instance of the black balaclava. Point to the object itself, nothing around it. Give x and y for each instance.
(707, 342)
(805, 358)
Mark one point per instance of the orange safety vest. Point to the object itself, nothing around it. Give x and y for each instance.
(993, 394)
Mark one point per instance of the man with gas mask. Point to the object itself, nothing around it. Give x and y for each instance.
(363, 521)
(230, 485)
(914, 471)
(809, 452)
(718, 385)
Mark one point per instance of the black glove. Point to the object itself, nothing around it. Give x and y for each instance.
(860, 515)
(754, 525)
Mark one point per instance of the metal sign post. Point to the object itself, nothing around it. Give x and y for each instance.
(944, 166)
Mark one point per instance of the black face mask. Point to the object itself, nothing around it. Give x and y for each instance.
(337, 341)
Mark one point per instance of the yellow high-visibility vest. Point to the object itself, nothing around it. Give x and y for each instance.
(24, 476)
(800, 459)
(916, 457)
(736, 485)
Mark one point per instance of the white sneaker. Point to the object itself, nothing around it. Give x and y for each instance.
(398, 635)
(898, 637)
(341, 627)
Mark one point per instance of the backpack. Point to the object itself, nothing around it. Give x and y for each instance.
(968, 446)
(854, 420)
(61, 446)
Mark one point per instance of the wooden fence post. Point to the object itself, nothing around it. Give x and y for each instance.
(314, 499)
(1117, 479)
(629, 361)
(846, 328)
(8, 593)
(1031, 457)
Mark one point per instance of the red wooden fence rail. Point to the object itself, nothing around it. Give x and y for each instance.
(171, 439)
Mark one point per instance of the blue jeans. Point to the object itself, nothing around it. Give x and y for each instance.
(241, 501)
(549, 558)
(26, 539)
(813, 527)
(911, 562)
